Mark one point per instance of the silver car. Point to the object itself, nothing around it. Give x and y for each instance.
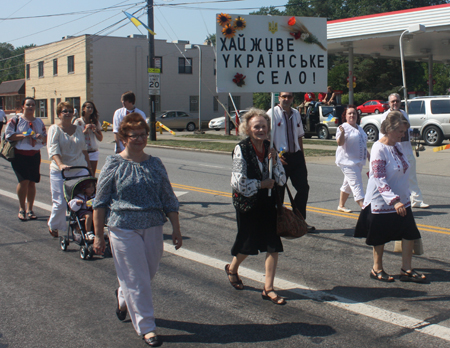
(179, 120)
(429, 115)
(218, 123)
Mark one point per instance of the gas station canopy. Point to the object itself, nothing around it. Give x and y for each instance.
(377, 35)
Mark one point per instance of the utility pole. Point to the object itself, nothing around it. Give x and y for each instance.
(151, 64)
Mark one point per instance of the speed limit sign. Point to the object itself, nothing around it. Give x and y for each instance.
(154, 82)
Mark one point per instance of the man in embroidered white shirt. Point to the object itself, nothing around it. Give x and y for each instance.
(416, 195)
(128, 100)
(288, 137)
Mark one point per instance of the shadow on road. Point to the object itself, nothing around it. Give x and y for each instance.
(223, 334)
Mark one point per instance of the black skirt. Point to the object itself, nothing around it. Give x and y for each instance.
(379, 229)
(257, 229)
(27, 167)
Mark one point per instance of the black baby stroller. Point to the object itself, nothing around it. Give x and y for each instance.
(76, 231)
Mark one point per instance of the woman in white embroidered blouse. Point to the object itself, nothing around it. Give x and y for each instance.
(351, 156)
(387, 213)
(256, 222)
(66, 148)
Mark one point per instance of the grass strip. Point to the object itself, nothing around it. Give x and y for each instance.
(226, 147)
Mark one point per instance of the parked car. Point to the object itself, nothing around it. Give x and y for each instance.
(218, 123)
(178, 120)
(429, 115)
(373, 107)
(322, 120)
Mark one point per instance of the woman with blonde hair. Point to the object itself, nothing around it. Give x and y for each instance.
(387, 214)
(256, 214)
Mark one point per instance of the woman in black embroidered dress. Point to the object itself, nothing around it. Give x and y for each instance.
(256, 213)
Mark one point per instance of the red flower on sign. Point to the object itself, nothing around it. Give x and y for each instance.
(292, 21)
(239, 79)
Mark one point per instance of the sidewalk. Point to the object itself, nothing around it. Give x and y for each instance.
(428, 162)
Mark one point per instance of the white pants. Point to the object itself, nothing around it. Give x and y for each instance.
(137, 254)
(353, 181)
(57, 220)
(416, 194)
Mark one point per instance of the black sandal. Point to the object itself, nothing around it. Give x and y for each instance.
(412, 276)
(23, 218)
(237, 284)
(277, 300)
(31, 215)
(153, 341)
(121, 315)
(381, 276)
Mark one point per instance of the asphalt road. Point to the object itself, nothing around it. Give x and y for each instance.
(54, 299)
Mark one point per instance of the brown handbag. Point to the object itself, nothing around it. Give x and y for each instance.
(290, 223)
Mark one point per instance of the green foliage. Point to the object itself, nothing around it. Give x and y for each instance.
(261, 100)
(12, 62)
(211, 39)
(268, 11)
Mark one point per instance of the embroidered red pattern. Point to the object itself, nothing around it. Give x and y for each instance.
(379, 168)
(402, 159)
(385, 188)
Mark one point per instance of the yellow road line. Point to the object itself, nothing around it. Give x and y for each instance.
(317, 210)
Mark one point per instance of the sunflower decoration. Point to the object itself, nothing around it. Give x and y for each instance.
(223, 19)
(228, 31)
(239, 23)
(239, 79)
(299, 31)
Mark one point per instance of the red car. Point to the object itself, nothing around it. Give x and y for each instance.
(373, 107)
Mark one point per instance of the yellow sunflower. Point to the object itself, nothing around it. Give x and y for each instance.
(223, 19)
(228, 31)
(239, 23)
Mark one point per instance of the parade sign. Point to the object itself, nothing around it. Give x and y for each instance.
(271, 53)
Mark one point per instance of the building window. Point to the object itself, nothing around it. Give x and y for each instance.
(216, 103)
(41, 69)
(237, 102)
(41, 108)
(28, 71)
(185, 65)
(55, 67)
(193, 103)
(71, 64)
(76, 105)
(158, 64)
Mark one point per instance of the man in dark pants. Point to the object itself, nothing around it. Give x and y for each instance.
(288, 137)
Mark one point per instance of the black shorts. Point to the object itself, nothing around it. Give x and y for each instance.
(27, 167)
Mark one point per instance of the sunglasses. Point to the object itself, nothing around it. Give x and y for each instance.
(65, 111)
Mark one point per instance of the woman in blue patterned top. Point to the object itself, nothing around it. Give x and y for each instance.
(135, 196)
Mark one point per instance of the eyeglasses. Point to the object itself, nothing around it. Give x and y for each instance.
(284, 96)
(137, 136)
(65, 111)
(395, 101)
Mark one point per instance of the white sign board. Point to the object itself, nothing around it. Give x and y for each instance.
(154, 83)
(271, 53)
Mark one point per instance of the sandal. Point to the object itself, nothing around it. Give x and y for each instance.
(277, 300)
(121, 315)
(237, 284)
(31, 215)
(23, 217)
(382, 276)
(153, 341)
(54, 233)
(412, 276)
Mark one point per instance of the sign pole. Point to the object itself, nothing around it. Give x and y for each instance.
(272, 132)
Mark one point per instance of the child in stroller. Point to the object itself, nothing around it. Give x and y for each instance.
(81, 204)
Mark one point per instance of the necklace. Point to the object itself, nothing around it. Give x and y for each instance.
(259, 154)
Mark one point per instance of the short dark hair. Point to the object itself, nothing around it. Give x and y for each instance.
(129, 97)
(132, 121)
(63, 105)
(344, 114)
(28, 98)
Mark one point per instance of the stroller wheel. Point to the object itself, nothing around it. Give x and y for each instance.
(64, 243)
(84, 253)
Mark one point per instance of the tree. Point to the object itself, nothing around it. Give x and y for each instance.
(211, 39)
(12, 65)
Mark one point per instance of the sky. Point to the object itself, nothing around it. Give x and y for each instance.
(48, 20)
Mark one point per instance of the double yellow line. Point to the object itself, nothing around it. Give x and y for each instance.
(317, 210)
